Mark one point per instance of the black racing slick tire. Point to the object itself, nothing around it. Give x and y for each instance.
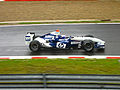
(35, 46)
(88, 45)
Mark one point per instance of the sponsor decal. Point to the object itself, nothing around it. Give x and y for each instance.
(61, 45)
(49, 37)
(75, 42)
(27, 38)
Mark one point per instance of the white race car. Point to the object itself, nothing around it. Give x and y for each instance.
(55, 40)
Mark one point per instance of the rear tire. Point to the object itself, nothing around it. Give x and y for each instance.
(88, 45)
(35, 46)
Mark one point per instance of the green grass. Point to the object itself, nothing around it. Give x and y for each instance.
(93, 22)
(4, 23)
(60, 66)
(71, 22)
(60, 22)
(33, 23)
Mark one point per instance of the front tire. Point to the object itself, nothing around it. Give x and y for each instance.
(35, 46)
(88, 45)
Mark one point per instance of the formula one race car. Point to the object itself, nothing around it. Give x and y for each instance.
(55, 40)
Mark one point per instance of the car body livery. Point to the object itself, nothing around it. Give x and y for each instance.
(55, 40)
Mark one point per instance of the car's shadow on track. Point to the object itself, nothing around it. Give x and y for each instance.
(66, 52)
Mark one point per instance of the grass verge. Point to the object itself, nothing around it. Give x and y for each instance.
(60, 66)
(4, 23)
(70, 22)
(60, 22)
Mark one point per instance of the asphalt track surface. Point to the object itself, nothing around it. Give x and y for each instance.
(12, 38)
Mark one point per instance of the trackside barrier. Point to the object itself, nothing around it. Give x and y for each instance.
(84, 81)
(56, 56)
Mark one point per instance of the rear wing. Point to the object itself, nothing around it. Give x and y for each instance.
(29, 37)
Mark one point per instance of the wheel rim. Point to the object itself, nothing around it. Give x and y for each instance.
(88, 45)
(35, 46)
